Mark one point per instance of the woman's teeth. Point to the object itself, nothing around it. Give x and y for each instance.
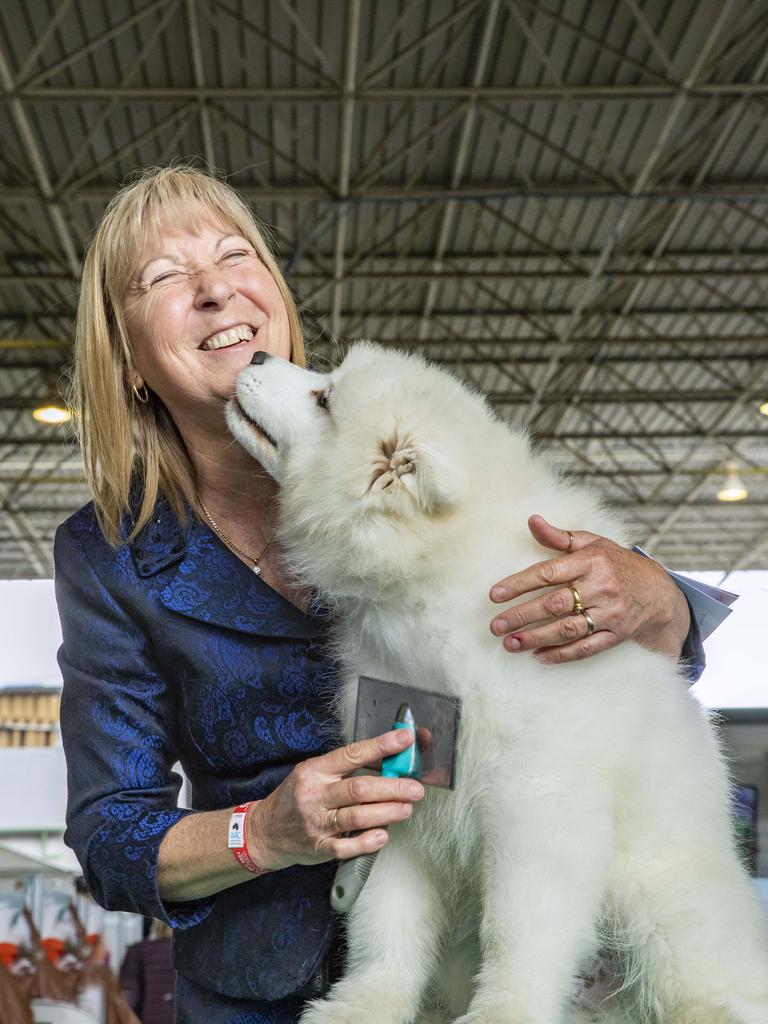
(226, 338)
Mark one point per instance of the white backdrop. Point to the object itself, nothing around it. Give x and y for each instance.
(736, 676)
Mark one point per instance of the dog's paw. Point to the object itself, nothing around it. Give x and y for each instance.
(433, 1017)
(700, 1013)
(497, 1014)
(379, 1009)
(494, 1017)
(328, 1011)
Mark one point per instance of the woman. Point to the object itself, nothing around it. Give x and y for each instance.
(185, 640)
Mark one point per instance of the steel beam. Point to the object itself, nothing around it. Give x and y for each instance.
(757, 312)
(478, 312)
(572, 259)
(346, 131)
(290, 12)
(645, 346)
(522, 94)
(586, 398)
(161, 127)
(596, 472)
(505, 352)
(34, 441)
(95, 42)
(468, 274)
(37, 163)
(471, 274)
(423, 38)
(460, 160)
(50, 476)
(753, 191)
(28, 539)
(96, 125)
(216, 7)
(751, 551)
(660, 434)
(62, 8)
(198, 71)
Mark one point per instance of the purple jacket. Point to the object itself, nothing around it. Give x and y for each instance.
(148, 981)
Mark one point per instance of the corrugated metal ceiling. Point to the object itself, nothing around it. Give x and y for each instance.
(563, 201)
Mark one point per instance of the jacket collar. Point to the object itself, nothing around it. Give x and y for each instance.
(194, 574)
(162, 542)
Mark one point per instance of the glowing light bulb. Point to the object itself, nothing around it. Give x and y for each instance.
(733, 488)
(52, 413)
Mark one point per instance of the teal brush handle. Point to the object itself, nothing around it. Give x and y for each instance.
(352, 874)
(406, 764)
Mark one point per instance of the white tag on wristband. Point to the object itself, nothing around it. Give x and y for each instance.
(236, 838)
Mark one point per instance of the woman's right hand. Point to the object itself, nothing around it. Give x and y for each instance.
(303, 820)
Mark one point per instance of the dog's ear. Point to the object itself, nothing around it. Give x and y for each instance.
(403, 466)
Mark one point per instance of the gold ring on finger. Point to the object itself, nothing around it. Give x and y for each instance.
(578, 607)
(334, 822)
(590, 621)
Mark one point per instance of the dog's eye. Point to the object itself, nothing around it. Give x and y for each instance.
(322, 399)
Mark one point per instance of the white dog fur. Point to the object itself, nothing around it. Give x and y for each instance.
(592, 804)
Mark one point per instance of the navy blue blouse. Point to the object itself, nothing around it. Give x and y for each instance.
(175, 651)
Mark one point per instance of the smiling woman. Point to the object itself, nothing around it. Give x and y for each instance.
(172, 649)
(177, 264)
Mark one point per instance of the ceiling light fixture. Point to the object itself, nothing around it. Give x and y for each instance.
(53, 412)
(764, 408)
(733, 488)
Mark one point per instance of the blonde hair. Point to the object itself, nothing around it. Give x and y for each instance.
(123, 439)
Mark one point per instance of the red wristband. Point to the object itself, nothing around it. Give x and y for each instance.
(238, 840)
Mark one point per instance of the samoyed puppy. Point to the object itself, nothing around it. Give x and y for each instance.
(592, 801)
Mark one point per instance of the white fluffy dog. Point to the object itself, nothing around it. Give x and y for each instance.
(592, 803)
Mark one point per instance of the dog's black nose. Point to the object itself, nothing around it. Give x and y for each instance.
(259, 357)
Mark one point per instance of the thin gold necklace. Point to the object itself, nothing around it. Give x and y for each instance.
(238, 551)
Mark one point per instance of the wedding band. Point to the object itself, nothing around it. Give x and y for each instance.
(570, 542)
(335, 822)
(590, 621)
(578, 607)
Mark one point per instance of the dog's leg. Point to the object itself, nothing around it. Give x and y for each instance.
(394, 939)
(695, 928)
(455, 983)
(543, 878)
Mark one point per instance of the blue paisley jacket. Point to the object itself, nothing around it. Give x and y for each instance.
(174, 651)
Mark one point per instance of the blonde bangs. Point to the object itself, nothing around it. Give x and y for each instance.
(121, 439)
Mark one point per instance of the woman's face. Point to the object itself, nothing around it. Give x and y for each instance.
(199, 305)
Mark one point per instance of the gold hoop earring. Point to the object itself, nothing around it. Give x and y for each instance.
(143, 398)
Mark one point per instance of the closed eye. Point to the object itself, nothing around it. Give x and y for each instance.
(166, 276)
(322, 399)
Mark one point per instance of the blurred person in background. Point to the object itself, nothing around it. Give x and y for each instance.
(147, 976)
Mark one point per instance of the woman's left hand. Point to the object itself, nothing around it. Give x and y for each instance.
(627, 596)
